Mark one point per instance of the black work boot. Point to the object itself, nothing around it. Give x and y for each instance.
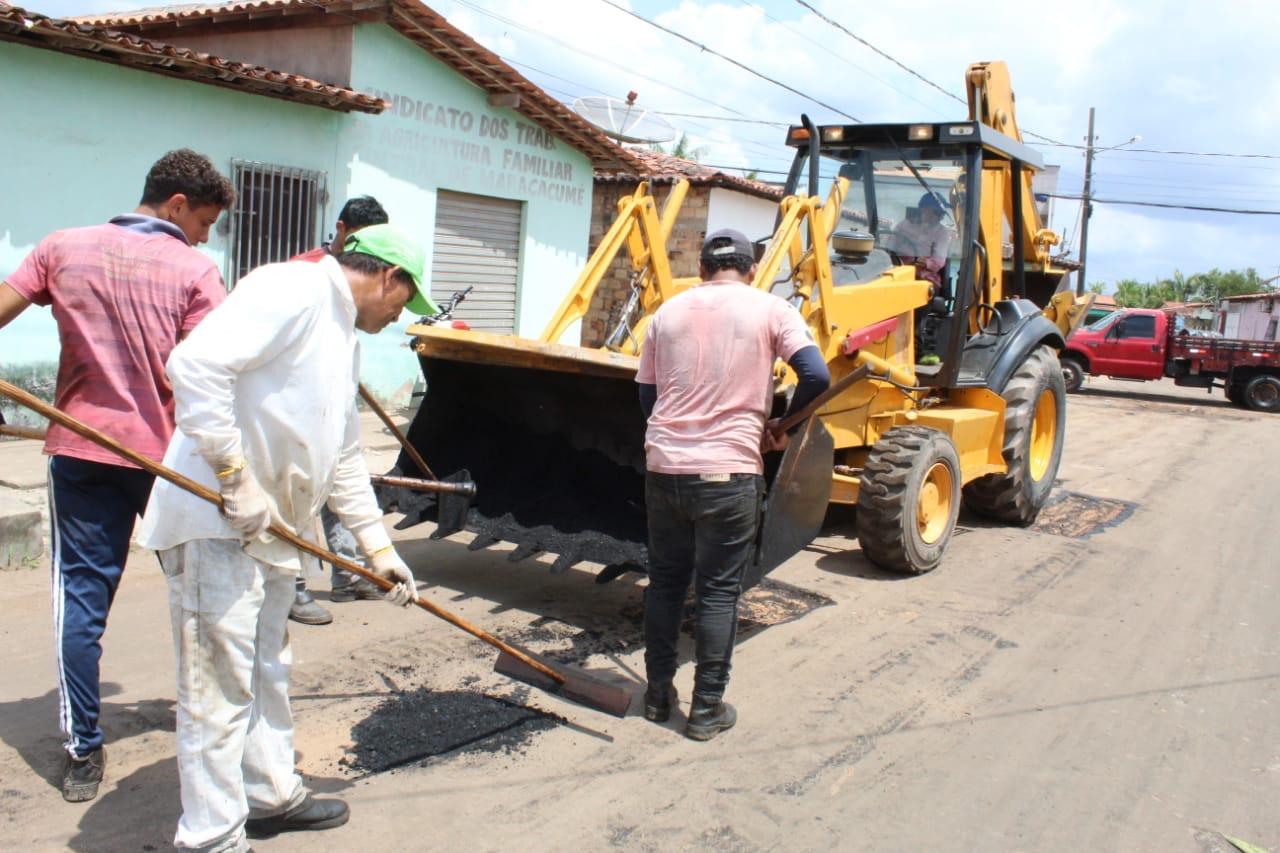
(659, 699)
(80, 777)
(706, 720)
(358, 590)
(308, 815)
(306, 611)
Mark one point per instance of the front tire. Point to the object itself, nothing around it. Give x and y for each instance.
(909, 499)
(1262, 393)
(1035, 424)
(1072, 373)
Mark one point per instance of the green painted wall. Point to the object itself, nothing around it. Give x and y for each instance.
(88, 134)
(440, 133)
(91, 130)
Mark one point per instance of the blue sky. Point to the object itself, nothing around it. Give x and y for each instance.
(1186, 76)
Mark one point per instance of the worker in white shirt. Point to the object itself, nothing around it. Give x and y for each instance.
(264, 391)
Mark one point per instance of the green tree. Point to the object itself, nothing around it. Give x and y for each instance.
(1131, 293)
(1097, 287)
(1216, 284)
(1211, 286)
(684, 149)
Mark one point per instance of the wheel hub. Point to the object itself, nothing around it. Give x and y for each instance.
(1044, 432)
(933, 506)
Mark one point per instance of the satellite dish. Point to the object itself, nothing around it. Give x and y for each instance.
(624, 120)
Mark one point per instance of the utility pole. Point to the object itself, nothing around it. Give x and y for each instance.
(1086, 209)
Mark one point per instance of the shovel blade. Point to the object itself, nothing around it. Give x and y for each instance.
(796, 503)
(577, 687)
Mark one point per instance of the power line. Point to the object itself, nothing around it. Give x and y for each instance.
(1135, 203)
(838, 56)
(511, 23)
(723, 118)
(1127, 149)
(730, 60)
(842, 28)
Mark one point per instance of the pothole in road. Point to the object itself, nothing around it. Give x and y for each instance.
(420, 724)
(770, 602)
(774, 602)
(1078, 516)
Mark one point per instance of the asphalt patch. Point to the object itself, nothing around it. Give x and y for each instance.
(1078, 516)
(770, 602)
(418, 725)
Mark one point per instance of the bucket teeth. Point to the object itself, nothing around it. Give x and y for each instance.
(524, 550)
(482, 541)
(563, 563)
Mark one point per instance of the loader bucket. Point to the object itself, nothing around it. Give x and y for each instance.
(553, 437)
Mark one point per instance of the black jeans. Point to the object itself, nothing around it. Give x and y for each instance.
(702, 531)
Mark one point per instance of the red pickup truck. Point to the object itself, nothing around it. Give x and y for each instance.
(1136, 343)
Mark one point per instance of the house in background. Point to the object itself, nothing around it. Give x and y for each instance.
(305, 103)
(715, 200)
(1252, 317)
(1103, 304)
(1196, 316)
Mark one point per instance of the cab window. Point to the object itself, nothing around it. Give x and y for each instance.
(1139, 326)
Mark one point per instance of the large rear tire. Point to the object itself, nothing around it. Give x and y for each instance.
(909, 499)
(1035, 424)
(1262, 394)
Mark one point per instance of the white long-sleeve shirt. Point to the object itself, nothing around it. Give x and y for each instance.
(270, 374)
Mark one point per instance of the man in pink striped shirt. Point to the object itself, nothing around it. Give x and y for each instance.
(123, 295)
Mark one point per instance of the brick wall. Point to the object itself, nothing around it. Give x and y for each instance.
(682, 249)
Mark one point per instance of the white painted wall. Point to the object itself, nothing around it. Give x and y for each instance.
(752, 216)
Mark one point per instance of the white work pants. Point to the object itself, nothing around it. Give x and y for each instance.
(235, 730)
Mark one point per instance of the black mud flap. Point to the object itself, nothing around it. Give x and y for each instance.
(796, 503)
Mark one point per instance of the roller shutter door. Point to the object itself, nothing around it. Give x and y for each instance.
(477, 242)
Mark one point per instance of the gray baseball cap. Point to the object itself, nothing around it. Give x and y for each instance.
(738, 245)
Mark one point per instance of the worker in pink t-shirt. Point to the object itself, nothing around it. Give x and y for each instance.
(123, 295)
(706, 386)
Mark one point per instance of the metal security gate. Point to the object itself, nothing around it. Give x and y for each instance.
(477, 244)
(276, 215)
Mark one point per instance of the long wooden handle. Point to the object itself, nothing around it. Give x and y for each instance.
(856, 375)
(22, 432)
(40, 407)
(395, 430)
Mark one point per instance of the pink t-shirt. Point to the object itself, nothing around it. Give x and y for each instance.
(314, 256)
(710, 351)
(122, 299)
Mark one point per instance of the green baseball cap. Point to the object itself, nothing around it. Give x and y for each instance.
(394, 246)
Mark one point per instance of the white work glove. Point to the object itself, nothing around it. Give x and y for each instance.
(388, 565)
(244, 504)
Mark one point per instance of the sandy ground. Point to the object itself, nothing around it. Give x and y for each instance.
(1106, 680)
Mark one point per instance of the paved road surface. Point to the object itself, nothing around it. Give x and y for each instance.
(1107, 680)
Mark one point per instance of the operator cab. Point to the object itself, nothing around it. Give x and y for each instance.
(913, 191)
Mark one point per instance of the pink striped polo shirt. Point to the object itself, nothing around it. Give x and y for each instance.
(122, 298)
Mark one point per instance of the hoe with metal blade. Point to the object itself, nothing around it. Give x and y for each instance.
(516, 662)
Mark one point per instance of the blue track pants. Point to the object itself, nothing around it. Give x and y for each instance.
(93, 507)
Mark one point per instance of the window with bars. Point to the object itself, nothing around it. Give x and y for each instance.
(276, 216)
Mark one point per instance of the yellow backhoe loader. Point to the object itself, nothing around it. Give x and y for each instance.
(963, 397)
